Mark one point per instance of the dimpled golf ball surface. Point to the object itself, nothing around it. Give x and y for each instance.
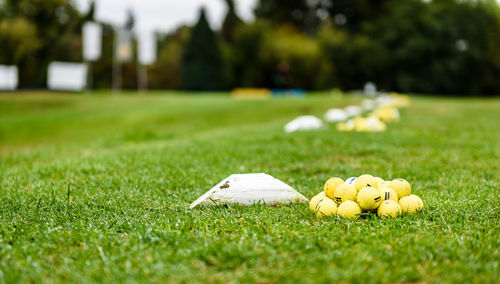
(326, 207)
(388, 194)
(349, 210)
(401, 187)
(331, 185)
(315, 200)
(369, 198)
(366, 180)
(345, 192)
(411, 204)
(389, 208)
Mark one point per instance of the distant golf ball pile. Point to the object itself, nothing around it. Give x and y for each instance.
(366, 193)
(378, 112)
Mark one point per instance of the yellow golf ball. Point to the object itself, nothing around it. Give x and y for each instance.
(349, 210)
(411, 204)
(331, 185)
(366, 180)
(401, 187)
(389, 208)
(388, 194)
(345, 192)
(315, 200)
(380, 180)
(369, 198)
(326, 207)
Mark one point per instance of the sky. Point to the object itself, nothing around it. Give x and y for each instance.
(165, 15)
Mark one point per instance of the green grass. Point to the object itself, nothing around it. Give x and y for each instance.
(97, 189)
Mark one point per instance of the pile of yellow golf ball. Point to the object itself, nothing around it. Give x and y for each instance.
(366, 193)
(386, 111)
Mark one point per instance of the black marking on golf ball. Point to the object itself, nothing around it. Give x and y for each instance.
(338, 199)
(387, 195)
(351, 180)
(377, 198)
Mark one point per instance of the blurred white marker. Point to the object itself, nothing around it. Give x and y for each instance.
(307, 122)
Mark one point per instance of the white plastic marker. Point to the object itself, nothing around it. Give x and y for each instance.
(92, 41)
(8, 77)
(147, 56)
(249, 189)
(306, 122)
(353, 110)
(336, 115)
(64, 76)
(146, 48)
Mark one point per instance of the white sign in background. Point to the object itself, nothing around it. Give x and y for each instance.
(63, 76)
(8, 77)
(92, 41)
(147, 48)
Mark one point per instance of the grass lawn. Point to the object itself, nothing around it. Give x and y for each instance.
(97, 188)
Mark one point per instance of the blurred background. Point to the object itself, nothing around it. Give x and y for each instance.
(435, 47)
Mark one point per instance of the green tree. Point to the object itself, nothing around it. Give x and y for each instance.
(357, 58)
(90, 14)
(298, 13)
(202, 65)
(18, 39)
(352, 15)
(433, 50)
(231, 22)
(165, 73)
(58, 24)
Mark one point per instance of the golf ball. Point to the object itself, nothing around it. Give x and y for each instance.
(369, 198)
(349, 210)
(389, 208)
(345, 192)
(326, 207)
(331, 185)
(401, 187)
(411, 204)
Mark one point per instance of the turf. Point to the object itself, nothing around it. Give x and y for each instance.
(97, 189)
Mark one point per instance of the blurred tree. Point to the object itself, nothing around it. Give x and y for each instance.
(130, 22)
(432, 49)
(491, 79)
(202, 65)
(102, 68)
(18, 39)
(165, 73)
(90, 15)
(231, 22)
(299, 13)
(245, 56)
(291, 59)
(357, 58)
(352, 15)
(55, 21)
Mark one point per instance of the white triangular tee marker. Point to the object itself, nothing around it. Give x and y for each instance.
(248, 189)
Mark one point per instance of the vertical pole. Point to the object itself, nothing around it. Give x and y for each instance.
(142, 78)
(117, 76)
(90, 79)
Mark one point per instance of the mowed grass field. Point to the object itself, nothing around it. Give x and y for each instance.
(97, 189)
